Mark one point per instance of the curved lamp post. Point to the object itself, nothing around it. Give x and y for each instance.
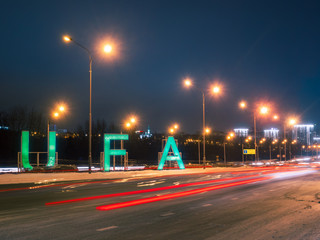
(107, 49)
(215, 90)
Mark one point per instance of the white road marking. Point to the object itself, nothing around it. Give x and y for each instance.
(167, 214)
(207, 205)
(106, 228)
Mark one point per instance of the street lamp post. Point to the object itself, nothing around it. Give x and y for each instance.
(270, 152)
(242, 153)
(224, 154)
(69, 39)
(262, 110)
(203, 129)
(255, 135)
(229, 137)
(285, 143)
(108, 49)
(215, 90)
(302, 147)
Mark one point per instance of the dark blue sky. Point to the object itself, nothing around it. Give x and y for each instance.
(259, 49)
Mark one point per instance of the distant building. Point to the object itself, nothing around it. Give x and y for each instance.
(146, 134)
(272, 133)
(62, 131)
(316, 139)
(241, 132)
(303, 133)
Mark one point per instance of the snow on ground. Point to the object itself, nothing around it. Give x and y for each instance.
(41, 178)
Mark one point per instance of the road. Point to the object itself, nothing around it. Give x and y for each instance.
(261, 204)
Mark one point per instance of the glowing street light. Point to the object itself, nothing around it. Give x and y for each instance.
(216, 89)
(173, 128)
(107, 49)
(242, 104)
(264, 110)
(61, 108)
(133, 120)
(207, 130)
(67, 39)
(292, 121)
(187, 83)
(130, 122)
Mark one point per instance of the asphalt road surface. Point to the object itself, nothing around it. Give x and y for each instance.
(261, 204)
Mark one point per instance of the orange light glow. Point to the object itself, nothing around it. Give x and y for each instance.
(216, 89)
(107, 48)
(187, 82)
(62, 108)
(242, 104)
(264, 110)
(66, 38)
(133, 119)
(292, 121)
(275, 117)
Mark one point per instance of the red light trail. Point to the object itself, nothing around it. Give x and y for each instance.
(148, 190)
(176, 195)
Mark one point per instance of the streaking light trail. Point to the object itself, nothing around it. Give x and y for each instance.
(148, 190)
(176, 195)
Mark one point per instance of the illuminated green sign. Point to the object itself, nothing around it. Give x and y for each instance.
(176, 155)
(52, 149)
(108, 152)
(25, 150)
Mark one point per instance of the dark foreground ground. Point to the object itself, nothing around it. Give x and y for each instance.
(285, 207)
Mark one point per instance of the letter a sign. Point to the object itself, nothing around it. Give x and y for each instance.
(176, 155)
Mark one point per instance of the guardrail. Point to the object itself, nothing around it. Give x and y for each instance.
(20, 165)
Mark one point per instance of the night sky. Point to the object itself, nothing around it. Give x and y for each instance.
(260, 51)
